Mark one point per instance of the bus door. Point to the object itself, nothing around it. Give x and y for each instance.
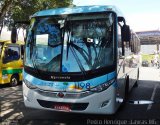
(122, 64)
(120, 67)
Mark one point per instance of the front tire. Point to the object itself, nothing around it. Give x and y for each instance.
(126, 89)
(14, 80)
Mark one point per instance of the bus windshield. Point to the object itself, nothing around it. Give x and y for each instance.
(71, 43)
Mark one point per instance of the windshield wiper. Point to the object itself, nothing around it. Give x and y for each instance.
(69, 45)
(78, 61)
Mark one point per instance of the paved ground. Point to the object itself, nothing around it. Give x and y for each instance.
(13, 111)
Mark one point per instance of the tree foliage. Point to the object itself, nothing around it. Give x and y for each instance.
(5, 7)
(22, 9)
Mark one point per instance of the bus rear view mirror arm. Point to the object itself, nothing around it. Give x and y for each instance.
(125, 30)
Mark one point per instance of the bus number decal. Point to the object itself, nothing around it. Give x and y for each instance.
(81, 85)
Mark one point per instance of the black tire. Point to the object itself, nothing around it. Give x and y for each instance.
(14, 80)
(126, 89)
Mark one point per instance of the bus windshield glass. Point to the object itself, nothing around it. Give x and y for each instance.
(71, 43)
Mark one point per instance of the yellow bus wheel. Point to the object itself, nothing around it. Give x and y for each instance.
(14, 80)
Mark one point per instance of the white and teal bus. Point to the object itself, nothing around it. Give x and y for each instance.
(79, 59)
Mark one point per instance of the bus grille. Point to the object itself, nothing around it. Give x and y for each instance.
(67, 95)
(73, 106)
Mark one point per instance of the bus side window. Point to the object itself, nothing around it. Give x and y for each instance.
(11, 54)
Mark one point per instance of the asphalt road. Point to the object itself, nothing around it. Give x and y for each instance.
(13, 111)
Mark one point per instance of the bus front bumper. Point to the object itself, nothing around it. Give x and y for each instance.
(97, 103)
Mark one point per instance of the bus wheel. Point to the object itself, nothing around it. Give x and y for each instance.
(126, 89)
(14, 80)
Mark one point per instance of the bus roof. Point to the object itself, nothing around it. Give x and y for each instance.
(8, 41)
(78, 10)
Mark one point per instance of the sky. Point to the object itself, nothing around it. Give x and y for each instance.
(141, 15)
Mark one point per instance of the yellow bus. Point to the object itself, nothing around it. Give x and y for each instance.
(11, 62)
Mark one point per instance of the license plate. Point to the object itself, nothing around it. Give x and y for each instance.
(62, 107)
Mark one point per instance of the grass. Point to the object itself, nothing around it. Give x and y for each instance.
(148, 57)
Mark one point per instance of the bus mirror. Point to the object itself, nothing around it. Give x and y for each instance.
(14, 35)
(126, 34)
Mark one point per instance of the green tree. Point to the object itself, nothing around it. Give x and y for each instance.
(4, 9)
(21, 10)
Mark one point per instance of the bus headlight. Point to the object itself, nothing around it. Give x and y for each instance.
(102, 86)
(28, 84)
